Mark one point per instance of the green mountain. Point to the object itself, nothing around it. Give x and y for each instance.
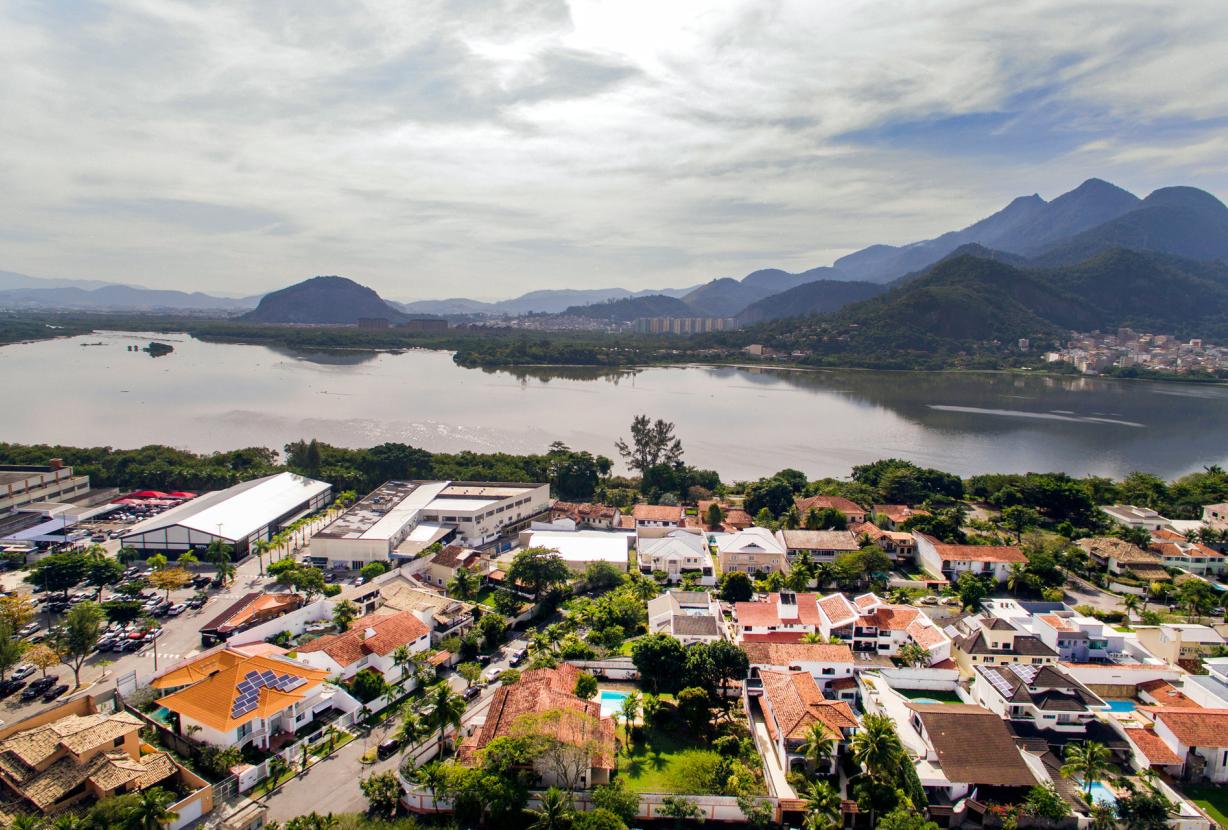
(819, 297)
(632, 308)
(329, 300)
(968, 303)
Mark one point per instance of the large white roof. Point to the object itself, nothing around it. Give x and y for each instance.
(584, 545)
(237, 512)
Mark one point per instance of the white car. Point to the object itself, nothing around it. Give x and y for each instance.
(23, 671)
(176, 609)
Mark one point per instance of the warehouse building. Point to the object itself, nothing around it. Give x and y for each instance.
(401, 518)
(239, 516)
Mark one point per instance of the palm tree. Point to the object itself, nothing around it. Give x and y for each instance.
(277, 769)
(555, 812)
(344, 614)
(464, 585)
(188, 560)
(644, 589)
(1087, 762)
(914, 654)
(818, 745)
(150, 811)
(650, 707)
(876, 747)
(332, 733)
(447, 709)
(401, 659)
(813, 637)
(262, 547)
(630, 708)
(218, 555)
(1130, 602)
(411, 729)
(1103, 817)
(67, 821)
(822, 806)
(25, 821)
(432, 775)
(1015, 579)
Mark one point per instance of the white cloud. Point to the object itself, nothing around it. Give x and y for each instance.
(465, 147)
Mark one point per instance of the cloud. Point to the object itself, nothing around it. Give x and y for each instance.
(483, 148)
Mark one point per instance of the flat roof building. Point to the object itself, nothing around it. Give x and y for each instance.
(400, 518)
(23, 485)
(240, 516)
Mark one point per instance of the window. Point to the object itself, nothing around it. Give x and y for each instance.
(245, 730)
(829, 671)
(118, 741)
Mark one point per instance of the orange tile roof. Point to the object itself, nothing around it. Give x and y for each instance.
(797, 702)
(1152, 746)
(773, 637)
(788, 654)
(260, 649)
(926, 636)
(1057, 623)
(867, 601)
(839, 503)
(1166, 694)
(838, 609)
(899, 512)
(545, 692)
(767, 612)
(378, 634)
(657, 513)
(1193, 726)
(978, 553)
(891, 617)
(215, 677)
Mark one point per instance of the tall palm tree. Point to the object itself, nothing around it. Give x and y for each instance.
(822, 805)
(876, 747)
(464, 585)
(1087, 762)
(818, 745)
(630, 708)
(446, 709)
(262, 547)
(432, 775)
(401, 659)
(1015, 579)
(411, 729)
(1130, 602)
(555, 812)
(150, 811)
(278, 767)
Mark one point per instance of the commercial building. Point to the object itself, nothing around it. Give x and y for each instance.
(581, 548)
(22, 485)
(400, 518)
(239, 516)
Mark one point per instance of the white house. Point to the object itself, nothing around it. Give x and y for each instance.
(674, 552)
(1042, 695)
(370, 643)
(226, 697)
(581, 548)
(826, 662)
(689, 616)
(1199, 737)
(951, 561)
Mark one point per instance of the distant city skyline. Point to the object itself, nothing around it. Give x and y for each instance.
(462, 149)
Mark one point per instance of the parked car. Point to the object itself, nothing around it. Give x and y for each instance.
(176, 609)
(471, 692)
(55, 692)
(10, 686)
(388, 748)
(518, 657)
(196, 602)
(28, 629)
(23, 671)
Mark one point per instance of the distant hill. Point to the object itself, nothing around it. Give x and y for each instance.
(818, 297)
(632, 308)
(120, 297)
(11, 279)
(325, 300)
(553, 301)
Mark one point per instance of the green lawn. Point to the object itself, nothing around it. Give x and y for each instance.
(486, 596)
(941, 697)
(666, 762)
(1212, 798)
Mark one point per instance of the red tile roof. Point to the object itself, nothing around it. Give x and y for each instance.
(1193, 727)
(838, 610)
(1153, 747)
(791, 654)
(891, 617)
(767, 612)
(839, 503)
(926, 636)
(657, 513)
(774, 637)
(378, 634)
(978, 553)
(1166, 694)
(899, 512)
(796, 702)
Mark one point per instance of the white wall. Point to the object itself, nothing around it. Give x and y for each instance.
(294, 622)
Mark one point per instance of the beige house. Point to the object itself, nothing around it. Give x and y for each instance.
(755, 550)
(441, 568)
(1177, 642)
(995, 642)
(819, 545)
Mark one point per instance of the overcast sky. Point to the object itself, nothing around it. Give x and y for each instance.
(470, 148)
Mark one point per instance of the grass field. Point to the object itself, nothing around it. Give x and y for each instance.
(666, 762)
(941, 697)
(1212, 798)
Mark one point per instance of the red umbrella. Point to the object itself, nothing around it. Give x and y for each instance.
(147, 494)
(180, 494)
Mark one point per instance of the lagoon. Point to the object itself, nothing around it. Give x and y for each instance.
(743, 422)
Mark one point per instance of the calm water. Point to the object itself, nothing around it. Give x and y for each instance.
(744, 423)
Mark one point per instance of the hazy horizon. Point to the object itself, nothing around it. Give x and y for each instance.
(466, 149)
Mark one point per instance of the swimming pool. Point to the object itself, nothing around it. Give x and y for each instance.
(1121, 705)
(611, 701)
(925, 700)
(1102, 794)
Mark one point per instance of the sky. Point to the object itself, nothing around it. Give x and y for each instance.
(444, 148)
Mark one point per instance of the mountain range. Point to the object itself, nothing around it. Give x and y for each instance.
(1029, 233)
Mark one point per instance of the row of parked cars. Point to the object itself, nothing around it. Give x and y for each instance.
(48, 688)
(130, 637)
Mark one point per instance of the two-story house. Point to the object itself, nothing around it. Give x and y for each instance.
(853, 512)
(688, 616)
(755, 550)
(884, 628)
(817, 545)
(370, 644)
(658, 515)
(827, 663)
(675, 553)
(967, 749)
(1180, 644)
(1198, 737)
(792, 704)
(1076, 638)
(1043, 696)
(893, 516)
(952, 561)
(225, 697)
(995, 642)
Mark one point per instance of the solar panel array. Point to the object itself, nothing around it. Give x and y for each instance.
(249, 688)
(1025, 673)
(997, 681)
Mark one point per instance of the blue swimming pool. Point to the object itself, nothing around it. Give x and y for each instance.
(1121, 705)
(611, 701)
(925, 700)
(1102, 794)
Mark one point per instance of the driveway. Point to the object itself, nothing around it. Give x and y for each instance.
(332, 786)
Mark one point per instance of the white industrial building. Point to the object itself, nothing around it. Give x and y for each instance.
(240, 516)
(400, 518)
(581, 548)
